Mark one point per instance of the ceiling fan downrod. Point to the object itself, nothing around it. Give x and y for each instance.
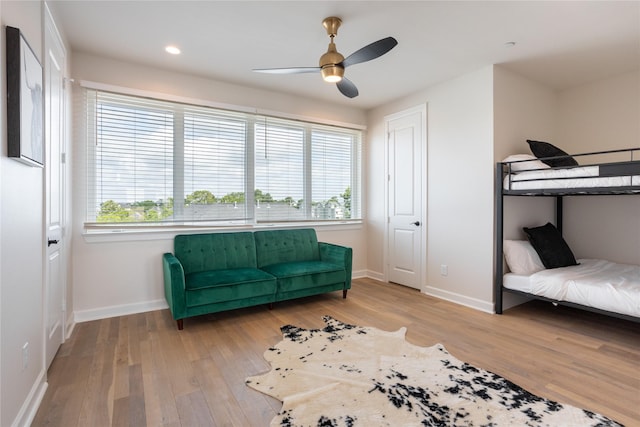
(331, 71)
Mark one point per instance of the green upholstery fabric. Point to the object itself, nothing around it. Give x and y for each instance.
(302, 268)
(305, 274)
(227, 285)
(338, 255)
(231, 293)
(224, 271)
(219, 285)
(215, 307)
(278, 246)
(213, 278)
(174, 286)
(215, 251)
(312, 280)
(305, 292)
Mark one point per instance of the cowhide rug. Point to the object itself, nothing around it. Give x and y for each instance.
(346, 375)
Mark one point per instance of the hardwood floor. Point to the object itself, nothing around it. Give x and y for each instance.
(140, 370)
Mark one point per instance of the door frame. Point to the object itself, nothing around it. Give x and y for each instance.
(422, 109)
(51, 30)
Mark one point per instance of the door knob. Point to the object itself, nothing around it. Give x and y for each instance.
(417, 223)
(52, 242)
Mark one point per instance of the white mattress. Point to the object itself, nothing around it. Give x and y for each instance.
(594, 283)
(581, 177)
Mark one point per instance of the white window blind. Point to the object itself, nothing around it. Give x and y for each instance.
(159, 162)
(280, 171)
(214, 166)
(334, 181)
(132, 173)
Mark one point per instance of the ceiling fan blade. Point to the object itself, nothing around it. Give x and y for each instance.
(371, 51)
(293, 70)
(347, 88)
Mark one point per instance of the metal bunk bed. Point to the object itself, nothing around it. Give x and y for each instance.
(611, 178)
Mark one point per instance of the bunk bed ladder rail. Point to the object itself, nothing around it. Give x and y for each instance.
(499, 218)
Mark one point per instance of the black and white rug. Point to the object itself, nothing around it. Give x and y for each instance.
(346, 375)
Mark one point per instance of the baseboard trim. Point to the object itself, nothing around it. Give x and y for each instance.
(475, 303)
(359, 274)
(118, 310)
(374, 275)
(126, 309)
(487, 307)
(69, 327)
(80, 316)
(30, 406)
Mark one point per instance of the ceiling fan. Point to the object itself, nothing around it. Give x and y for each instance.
(332, 63)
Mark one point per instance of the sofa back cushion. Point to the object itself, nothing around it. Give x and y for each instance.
(278, 246)
(215, 251)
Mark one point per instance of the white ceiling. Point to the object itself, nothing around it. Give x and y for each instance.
(560, 44)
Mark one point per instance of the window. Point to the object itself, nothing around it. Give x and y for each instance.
(159, 162)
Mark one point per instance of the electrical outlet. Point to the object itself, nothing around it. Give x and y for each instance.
(25, 355)
(444, 269)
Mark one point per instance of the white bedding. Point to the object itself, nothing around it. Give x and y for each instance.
(594, 283)
(580, 177)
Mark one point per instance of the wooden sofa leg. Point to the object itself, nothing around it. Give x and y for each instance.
(180, 324)
(270, 306)
(344, 293)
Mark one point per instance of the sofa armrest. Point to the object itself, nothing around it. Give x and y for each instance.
(339, 255)
(174, 285)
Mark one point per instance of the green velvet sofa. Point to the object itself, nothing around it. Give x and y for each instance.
(213, 272)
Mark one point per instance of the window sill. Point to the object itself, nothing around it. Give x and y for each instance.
(110, 234)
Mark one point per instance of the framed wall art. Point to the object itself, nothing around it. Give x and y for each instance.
(24, 101)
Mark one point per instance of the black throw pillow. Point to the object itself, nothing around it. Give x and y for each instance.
(542, 149)
(553, 250)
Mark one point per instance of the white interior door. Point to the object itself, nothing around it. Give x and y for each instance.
(55, 285)
(406, 235)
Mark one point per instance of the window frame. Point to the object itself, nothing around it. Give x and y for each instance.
(253, 116)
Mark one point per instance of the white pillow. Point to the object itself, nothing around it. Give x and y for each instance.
(532, 163)
(521, 257)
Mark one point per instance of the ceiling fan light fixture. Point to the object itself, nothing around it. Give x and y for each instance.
(332, 64)
(173, 50)
(332, 73)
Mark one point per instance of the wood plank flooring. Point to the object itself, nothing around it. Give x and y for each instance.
(139, 370)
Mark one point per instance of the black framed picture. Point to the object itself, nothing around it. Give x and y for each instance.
(24, 101)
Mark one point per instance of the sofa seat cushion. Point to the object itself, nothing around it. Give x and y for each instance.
(305, 274)
(226, 285)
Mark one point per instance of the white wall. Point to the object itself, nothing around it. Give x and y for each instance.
(523, 110)
(123, 275)
(22, 247)
(459, 214)
(103, 70)
(603, 115)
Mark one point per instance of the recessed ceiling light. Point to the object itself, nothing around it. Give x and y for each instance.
(172, 50)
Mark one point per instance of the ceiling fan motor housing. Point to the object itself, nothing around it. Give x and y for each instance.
(331, 71)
